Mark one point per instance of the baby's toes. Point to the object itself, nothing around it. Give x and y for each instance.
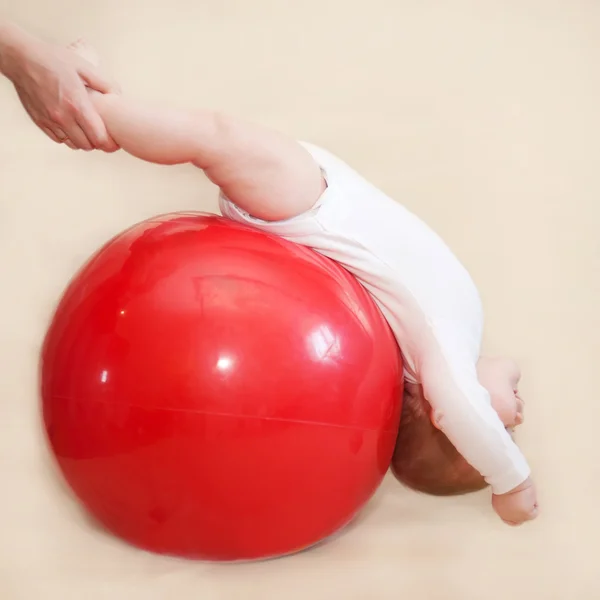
(85, 50)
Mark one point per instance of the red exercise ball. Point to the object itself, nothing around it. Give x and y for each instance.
(213, 392)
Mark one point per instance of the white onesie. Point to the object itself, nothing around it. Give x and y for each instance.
(427, 296)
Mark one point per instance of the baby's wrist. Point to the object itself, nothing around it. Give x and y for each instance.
(522, 486)
(516, 474)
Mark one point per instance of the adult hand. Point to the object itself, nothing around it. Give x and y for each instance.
(51, 82)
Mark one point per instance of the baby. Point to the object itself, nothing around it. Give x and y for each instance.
(460, 409)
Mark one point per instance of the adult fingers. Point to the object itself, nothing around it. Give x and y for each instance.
(51, 134)
(58, 132)
(95, 80)
(76, 134)
(62, 140)
(93, 126)
(52, 128)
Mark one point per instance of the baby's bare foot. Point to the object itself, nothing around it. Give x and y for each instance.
(86, 51)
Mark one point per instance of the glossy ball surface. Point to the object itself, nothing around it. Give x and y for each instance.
(214, 392)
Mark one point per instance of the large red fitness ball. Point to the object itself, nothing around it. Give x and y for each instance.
(214, 392)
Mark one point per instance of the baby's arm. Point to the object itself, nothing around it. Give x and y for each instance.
(463, 411)
(265, 173)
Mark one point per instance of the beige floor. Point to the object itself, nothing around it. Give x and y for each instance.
(483, 118)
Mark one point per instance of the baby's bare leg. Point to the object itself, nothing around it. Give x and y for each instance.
(265, 173)
(268, 175)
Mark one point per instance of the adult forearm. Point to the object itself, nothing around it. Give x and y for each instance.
(13, 41)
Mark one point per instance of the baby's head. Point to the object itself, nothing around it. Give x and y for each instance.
(424, 458)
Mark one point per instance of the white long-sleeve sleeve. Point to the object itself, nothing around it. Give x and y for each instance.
(427, 296)
(462, 410)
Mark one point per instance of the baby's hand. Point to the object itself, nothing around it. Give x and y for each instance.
(518, 505)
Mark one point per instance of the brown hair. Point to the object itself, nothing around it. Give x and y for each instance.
(424, 459)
